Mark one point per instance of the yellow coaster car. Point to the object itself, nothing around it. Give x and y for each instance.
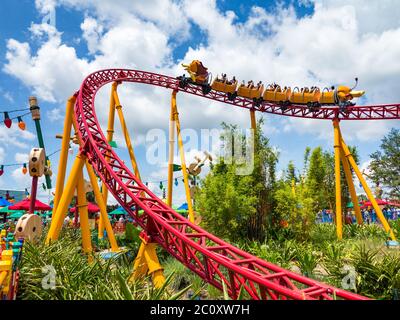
(250, 91)
(306, 96)
(274, 93)
(327, 97)
(224, 86)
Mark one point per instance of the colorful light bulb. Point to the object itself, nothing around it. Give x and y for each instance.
(1, 170)
(21, 124)
(176, 181)
(24, 169)
(7, 120)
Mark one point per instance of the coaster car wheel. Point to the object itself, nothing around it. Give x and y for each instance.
(257, 102)
(232, 96)
(206, 88)
(183, 82)
(281, 106)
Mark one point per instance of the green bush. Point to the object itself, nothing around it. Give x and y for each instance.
(77, 279)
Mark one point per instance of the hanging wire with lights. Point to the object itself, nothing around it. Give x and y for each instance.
(22, 165)
(8, 121)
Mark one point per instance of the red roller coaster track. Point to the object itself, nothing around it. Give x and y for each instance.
(214, 260)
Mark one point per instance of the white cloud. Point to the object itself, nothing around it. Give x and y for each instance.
(2, 154)
(21, 157)
(8, 97)
(92, 32)
(45, 6)
(14, 137)
(21, 180)
(55, 114)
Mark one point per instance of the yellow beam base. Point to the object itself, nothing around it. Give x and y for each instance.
(147, 262)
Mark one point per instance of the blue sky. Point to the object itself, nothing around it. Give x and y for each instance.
(89, 36)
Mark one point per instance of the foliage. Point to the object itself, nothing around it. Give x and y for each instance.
(296, 208)
(76, 279)
(385, 164)
(235, 206)
(378, 276)
(307, 261)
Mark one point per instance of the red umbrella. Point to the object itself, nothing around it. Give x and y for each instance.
(25, 204)
(92, 208)
(380, 202)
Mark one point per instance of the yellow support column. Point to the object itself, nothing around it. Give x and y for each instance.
(337, 146)
(139, 265)
(126, 134)
(183, 163)
(367, 190)
(171, 149)
(110, 135)
(103, 208)
(65, 200)
(83, 214)
(253, 119)
(352, 189)
(62, 165)
(147, 260)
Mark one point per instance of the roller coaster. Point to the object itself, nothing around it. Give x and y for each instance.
(214, 260)
(312, 97)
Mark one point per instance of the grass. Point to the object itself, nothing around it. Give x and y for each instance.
(76, 279)
(321, 257)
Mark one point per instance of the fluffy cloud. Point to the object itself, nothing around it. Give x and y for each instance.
(21, 157)
(15, 138)
(55, 114)
(2, 154)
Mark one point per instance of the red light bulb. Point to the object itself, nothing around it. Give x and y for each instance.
(1, 170)
(7, 120)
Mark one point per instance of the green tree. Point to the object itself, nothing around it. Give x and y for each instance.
(290, 173)
(321, 178)
(315, 180)
(385, 164)
(296, 208)
(240, 206)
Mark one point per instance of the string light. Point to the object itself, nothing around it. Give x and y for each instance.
(70, 150)
(24, 169)
(7, 120)
(176, 181)
(21, 123)
(24, 165)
